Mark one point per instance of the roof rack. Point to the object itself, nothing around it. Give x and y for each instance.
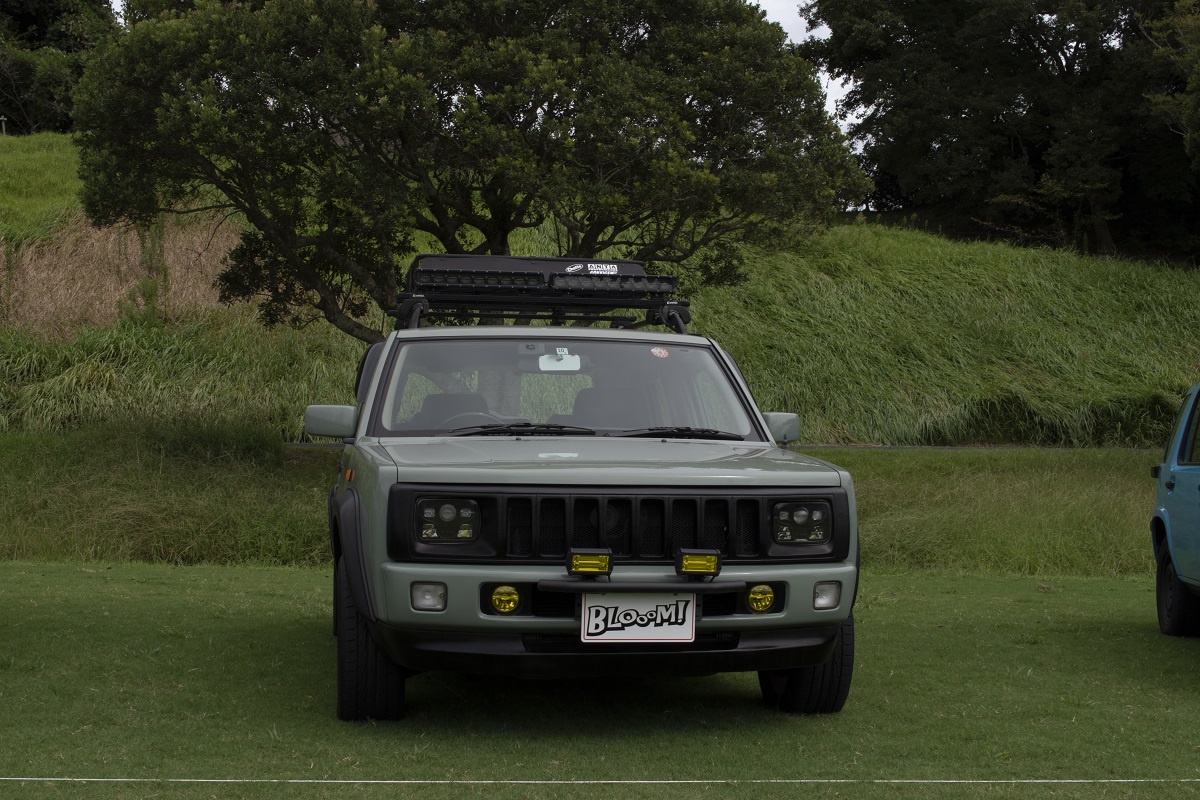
(526, 288)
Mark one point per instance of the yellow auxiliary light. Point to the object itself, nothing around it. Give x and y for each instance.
(505, 599)
(698, 562)
(589, 562)
(760, 598)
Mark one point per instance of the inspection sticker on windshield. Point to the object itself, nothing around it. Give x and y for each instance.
(660, 352)
(639, 617)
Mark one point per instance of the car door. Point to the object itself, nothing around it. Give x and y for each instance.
(1179, 489)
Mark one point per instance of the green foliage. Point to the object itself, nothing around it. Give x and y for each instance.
(1179, 40)
(43, 45)
(1031, 119)
(341, 128)
(135, 11)
(39, 186)
(899, 337)
(35, 88)
(72, 26)
(140, 306)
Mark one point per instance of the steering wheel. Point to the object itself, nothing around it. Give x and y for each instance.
(468, 418)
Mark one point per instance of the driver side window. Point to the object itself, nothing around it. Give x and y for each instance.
(1190, 452)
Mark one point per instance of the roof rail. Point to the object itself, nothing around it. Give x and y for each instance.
(499, 288)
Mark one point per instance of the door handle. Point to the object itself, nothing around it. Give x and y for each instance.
(1170, 484)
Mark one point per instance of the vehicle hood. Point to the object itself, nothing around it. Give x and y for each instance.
(603, 460)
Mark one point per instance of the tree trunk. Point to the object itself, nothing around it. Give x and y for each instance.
(1103, 244)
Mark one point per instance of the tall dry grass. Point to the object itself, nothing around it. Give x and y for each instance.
(84, 276)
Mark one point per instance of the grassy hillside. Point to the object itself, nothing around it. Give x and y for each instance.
(39, 186)
(872, 334)
(893, 336)
(213, 368)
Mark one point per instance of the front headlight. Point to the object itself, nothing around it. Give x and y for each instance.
(447, 520)
(808, 522)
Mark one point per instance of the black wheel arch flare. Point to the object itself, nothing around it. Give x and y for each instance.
(346, 542)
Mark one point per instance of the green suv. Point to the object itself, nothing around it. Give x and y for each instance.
(551, 499)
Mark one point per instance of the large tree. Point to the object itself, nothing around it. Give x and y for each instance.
(1031, 117)
(662, 130)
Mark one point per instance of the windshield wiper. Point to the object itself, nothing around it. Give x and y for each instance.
(682, 432)
(522, 428)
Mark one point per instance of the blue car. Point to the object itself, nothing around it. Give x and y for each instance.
(1175, 526)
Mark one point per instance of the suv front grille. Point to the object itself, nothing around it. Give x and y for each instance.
(631, 526)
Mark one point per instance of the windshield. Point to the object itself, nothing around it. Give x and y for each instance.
(543, 386)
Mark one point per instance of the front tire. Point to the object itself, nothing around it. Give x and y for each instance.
(819, 689)
(337, 596)
(369, 684)
(1178, 608)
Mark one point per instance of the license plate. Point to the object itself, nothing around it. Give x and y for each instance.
(639, 618)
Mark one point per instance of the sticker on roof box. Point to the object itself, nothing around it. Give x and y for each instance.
(660, 352)
(594, 269)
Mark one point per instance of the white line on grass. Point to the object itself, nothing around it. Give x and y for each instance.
(604, 782)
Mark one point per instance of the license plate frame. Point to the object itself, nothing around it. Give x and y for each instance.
(638, 617)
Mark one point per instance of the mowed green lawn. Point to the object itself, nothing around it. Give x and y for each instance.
(203, 681)
(211, 672)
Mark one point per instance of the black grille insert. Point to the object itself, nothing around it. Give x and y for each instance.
(633, 527)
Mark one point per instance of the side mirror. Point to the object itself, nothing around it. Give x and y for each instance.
(784, 428)
(336, 421)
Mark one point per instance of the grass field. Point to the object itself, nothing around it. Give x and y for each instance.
(1004, 511)
(1005, 634)
(189, 496)
(1005, 626)
(152, 673)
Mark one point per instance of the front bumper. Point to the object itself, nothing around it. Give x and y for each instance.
(563, 656)
(464, 638)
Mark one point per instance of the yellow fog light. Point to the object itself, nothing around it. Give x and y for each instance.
(760, 598)
(505, 599)
(698, 562)
(589, 562)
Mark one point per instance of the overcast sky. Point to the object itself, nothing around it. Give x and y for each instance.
(787, 14)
